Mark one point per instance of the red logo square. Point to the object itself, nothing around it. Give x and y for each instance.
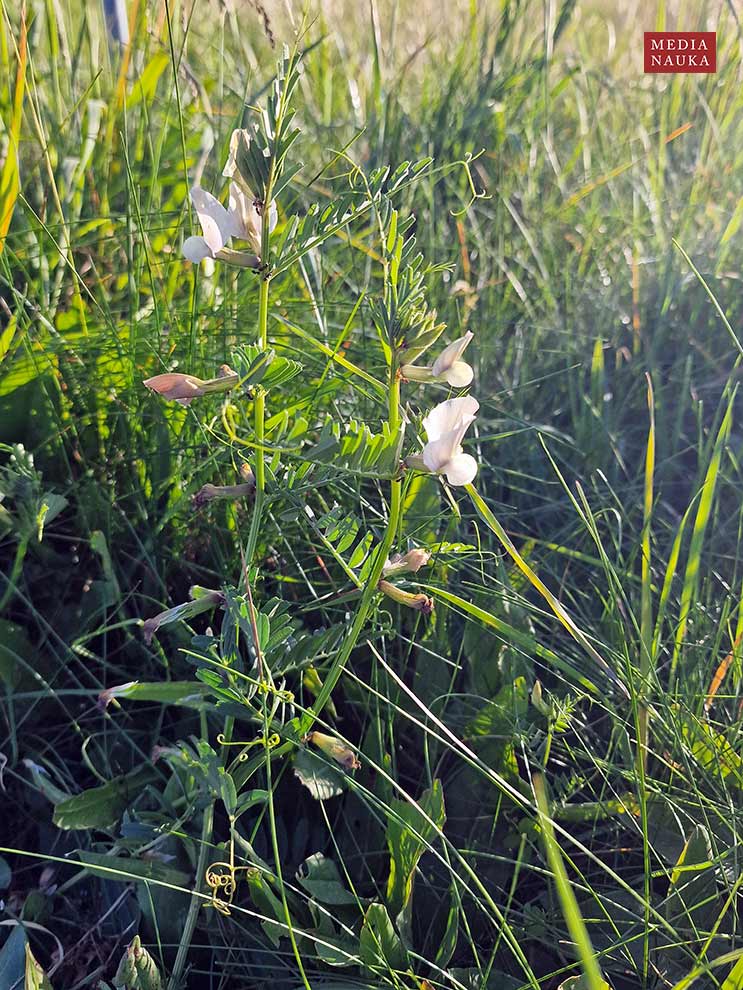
(681, 51)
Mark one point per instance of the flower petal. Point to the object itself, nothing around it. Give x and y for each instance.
(437, 454)
(450, 415)
(215, 221)
(273, 215)
(246, 223)
(175, 387)
(461, 469)
(196, 249)
(451, 354)
(230, 167)
(459, 375)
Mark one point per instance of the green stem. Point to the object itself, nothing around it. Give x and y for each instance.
(277, 861)
(207, 823)
(260, 419)
(260, 400)
(370, 591)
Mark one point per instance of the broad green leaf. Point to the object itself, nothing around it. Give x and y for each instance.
(379, 944)
(320, 878)
(734, 979)
(495, 725)
(10, 175)
(712, 751)
(13, 958)
(188, 694)
(44, 783)
(322, 780)
(126, 868)
(102, 807)
(409, 833)
(448, 942)
(269, 905)
(144, 88)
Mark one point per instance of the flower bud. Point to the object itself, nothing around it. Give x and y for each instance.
(313, 684)
(538, 701)
(202, 599)
(335, 749)
(408, 563)
(175, 387)
(420, 602)
(208, 492)
(180, 388)
(137, 969)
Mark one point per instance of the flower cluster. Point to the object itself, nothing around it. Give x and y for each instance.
(447, 423)
(249, 219)
(242, 219)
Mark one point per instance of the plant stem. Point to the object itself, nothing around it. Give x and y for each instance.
(568, 902)
(277, 860)
(260, 399)
(196, 901)
(370, 591)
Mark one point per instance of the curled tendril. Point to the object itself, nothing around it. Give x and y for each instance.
(468, 159)
(269, 743)
(221, 882)
(222, 878)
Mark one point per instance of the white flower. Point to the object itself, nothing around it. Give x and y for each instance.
(445, 428)
(447, 367)
(246, 217)
(217, 224)
(243, 218)
(243, 205)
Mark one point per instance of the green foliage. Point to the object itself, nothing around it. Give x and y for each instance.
(411, 828)
(379, 943)
(101, 807)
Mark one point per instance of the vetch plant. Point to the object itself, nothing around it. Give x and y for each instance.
(262, 657)
(259, 171)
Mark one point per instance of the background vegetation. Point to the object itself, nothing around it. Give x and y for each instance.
(599, 267)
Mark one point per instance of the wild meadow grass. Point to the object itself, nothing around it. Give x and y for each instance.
(549, 789)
